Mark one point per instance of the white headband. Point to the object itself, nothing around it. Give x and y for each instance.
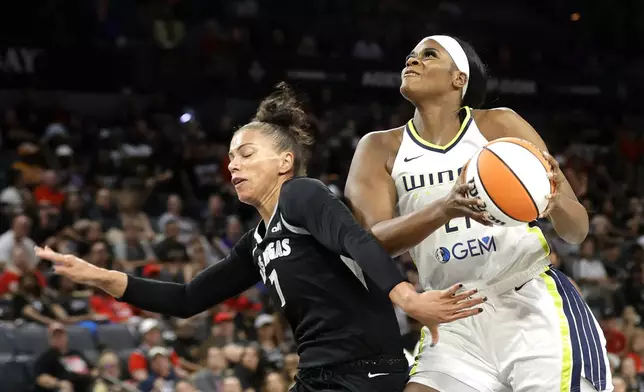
(455, 50)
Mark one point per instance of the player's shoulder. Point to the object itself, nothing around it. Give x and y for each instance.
(498, 122)
(383, 140)
(494, 115)
(301, 189)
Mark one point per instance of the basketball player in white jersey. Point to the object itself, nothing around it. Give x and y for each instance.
(536, 334)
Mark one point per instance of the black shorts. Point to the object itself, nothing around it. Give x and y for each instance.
(377, 375)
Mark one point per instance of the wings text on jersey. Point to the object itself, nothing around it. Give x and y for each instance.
(425, 180)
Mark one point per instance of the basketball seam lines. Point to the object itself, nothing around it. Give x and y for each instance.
(518, 179)
(527, 149)
(478, 171)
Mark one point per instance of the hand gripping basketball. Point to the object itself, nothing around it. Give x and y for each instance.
(436, 307)
(457, 204)
(556, 179)
(70, 266)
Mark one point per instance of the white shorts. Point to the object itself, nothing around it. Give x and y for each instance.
(540, 338)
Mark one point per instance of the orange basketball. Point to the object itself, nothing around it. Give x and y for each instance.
(511, 176)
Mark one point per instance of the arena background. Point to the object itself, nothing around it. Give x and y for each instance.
(116, 119)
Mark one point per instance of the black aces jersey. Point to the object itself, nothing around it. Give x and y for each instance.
(336, 310)
(330, 277)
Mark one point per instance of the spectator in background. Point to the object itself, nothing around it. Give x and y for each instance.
(150, 331)
(31, 304)
(248, 370)
(99, 254)
(173, 213)
(30, 163)
(589, 271)
(16, 194)
(161, 377)
(214, 223)
(271, 351)
(104, 210)
(105, 305)
(109, 374)
(628, 372)
(75, 303)
(616, 342)
(60, 367)
(222, 331)
(274, 382)
(48, 191)
(619, 385)
(291, 362)
(22, 263)
(18, 235)
(185, 386)
(132, 215)
(234, 231)
(48, 223)
(231, 384)
(211, 378)
(133, 252)
(171, 252)
(73, 210)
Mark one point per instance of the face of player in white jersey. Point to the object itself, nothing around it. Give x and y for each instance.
(430, 71)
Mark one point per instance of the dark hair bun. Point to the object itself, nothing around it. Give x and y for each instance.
(283, 110)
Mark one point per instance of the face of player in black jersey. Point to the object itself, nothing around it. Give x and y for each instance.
(430, 72)
(257, 168)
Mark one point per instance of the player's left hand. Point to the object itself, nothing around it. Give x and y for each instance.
(436, 307)
(556, 179)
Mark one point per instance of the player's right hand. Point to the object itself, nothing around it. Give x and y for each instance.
(70, 266)
(457, 204)
(436, 307)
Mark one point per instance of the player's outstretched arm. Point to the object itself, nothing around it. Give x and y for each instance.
(310, 205)
(371, 194)
(227, 278)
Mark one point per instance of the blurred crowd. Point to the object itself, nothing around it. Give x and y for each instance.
(146, 190)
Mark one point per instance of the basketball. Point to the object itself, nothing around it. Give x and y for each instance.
(510, 175)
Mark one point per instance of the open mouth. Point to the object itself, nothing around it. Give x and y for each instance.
(409, 72)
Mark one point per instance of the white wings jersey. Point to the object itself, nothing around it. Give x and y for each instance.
(463, 251)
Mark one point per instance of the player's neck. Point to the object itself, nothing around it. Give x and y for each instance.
(267, 206)
(436, 123)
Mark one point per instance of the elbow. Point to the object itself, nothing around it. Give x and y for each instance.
(577, 237)
(577, 233)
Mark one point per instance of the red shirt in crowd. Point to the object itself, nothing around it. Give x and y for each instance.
(45, 193)
(615, 341)
(138, 360)
(117, 312)
(10, 279)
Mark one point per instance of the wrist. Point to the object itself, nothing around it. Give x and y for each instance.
(101, 278)
(440, 210)
(403, 295)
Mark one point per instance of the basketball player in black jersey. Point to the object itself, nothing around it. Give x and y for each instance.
(339, 308)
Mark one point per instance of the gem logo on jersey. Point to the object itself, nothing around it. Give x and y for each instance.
(462, 250)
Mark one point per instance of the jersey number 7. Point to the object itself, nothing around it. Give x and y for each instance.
(276, 283)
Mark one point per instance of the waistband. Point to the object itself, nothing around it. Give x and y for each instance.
(512, 281)
(375, 365)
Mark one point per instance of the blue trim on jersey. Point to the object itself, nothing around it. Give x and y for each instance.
(587, 349)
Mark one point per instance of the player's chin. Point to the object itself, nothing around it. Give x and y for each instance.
(245, 195)
(409, 89)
